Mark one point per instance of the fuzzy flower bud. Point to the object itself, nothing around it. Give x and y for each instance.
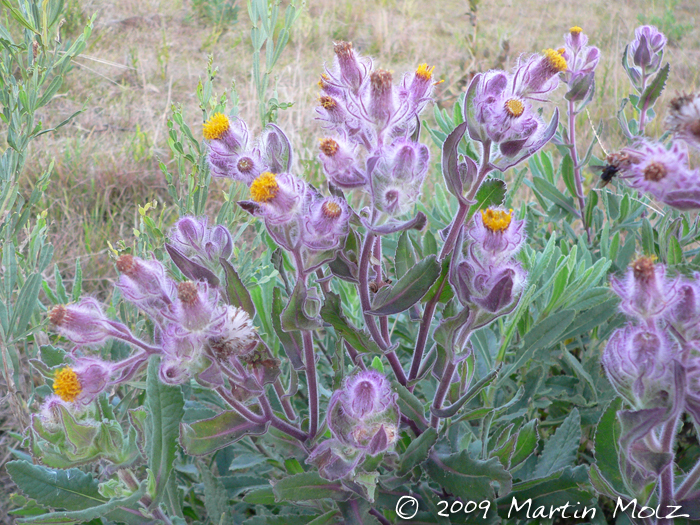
(192, 237)
(227, 140)
(144, 283)
(326, 224)
(278, 198)
(364, 413)
(381, 102)
(339, 164)
(398, 176)
(646, 50)
(644, 290)
(539, 75)
(195, 306)
(84, 323)
(352, 72)
(636, 361)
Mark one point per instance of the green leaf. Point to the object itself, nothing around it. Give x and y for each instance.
(550, 192)
(544, 334)
(165, 406)
(410, 405)
(417, 451)
(567, 173)
(208, 435)
(526, 443)
(654, 89)
(215, 498)
(468, 478)
(111, 510)
(332, 313)
(294, 315)
(77, 281)
(607, 437)
(490, 193)
(409, 289)
(675, 252)
(405, 257)
(291, 341)
(648, 244)
(307, 487)
(67, 489)
(26, 302)
(560, 450)
(236, 292)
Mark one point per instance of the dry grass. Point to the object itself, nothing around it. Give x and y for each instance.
(145, 55)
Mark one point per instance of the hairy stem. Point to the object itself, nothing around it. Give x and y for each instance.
(688, 483)
(284, 401)
(312, 381)
(666, 490)
(441, 392)
(577, 169)
(391, 356)
(280, 424)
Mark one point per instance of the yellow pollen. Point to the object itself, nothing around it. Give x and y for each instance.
(555, 60)
(424, 72)
(575, 30)
(216, 126)
(496, 220)
(514, 107)
(329, 147)
(264, 188)
(324, 81)
(561, 50)
(327, 102)
(331, 210)
(66, 384)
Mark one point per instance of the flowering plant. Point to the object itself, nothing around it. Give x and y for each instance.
(370, 357)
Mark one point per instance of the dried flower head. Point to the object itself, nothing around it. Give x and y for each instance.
(238, 335)
(84, 323)
(684, 119)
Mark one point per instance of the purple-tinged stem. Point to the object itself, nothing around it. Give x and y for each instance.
(577, 168)
(643, 114)
(366, 307)
(380, 517)
(355, 356)
(447, 248)
(378, 278)
(441, 392)
(666, 490)
(312, 381)
(240, 407)
(280, 424)
(284, 401)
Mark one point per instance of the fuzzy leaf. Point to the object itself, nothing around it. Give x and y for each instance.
(236, 292)
(191, 269)
(417, 451)
(307, 486)
(654, 89)
(468, 478)
(294, 315)
(165, 407)
(561, 448)
(409, 289)
(491, 193)
(332, 313)
(450, 170)
(208, 435)
(291, 341)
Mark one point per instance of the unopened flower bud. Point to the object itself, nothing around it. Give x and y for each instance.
(381, 103)
(646, 50)
(144, 283)
(644, 290)
(351, 72)
(84, 323)
(339, 164)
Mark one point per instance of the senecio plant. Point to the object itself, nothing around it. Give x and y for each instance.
(438, 363)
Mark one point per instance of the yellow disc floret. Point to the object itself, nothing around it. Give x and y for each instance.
(496, 220)
(555, 60)
(576, 30)
(424, 72)
(264, 188)
(514, 107)
(66, 384)
(216, 126)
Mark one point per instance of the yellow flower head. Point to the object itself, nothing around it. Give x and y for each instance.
(576, 30)
(514, 107)
(554, 59)
(66, 384)
(424, 72)
(496, 220)
(264, 188)
(216, 126)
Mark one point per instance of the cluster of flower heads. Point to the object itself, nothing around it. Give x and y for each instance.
(297, 216)
(485, 274)
(503, 113)
(195, 333)
(372, 122)
(653, 361)
(363, 417)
